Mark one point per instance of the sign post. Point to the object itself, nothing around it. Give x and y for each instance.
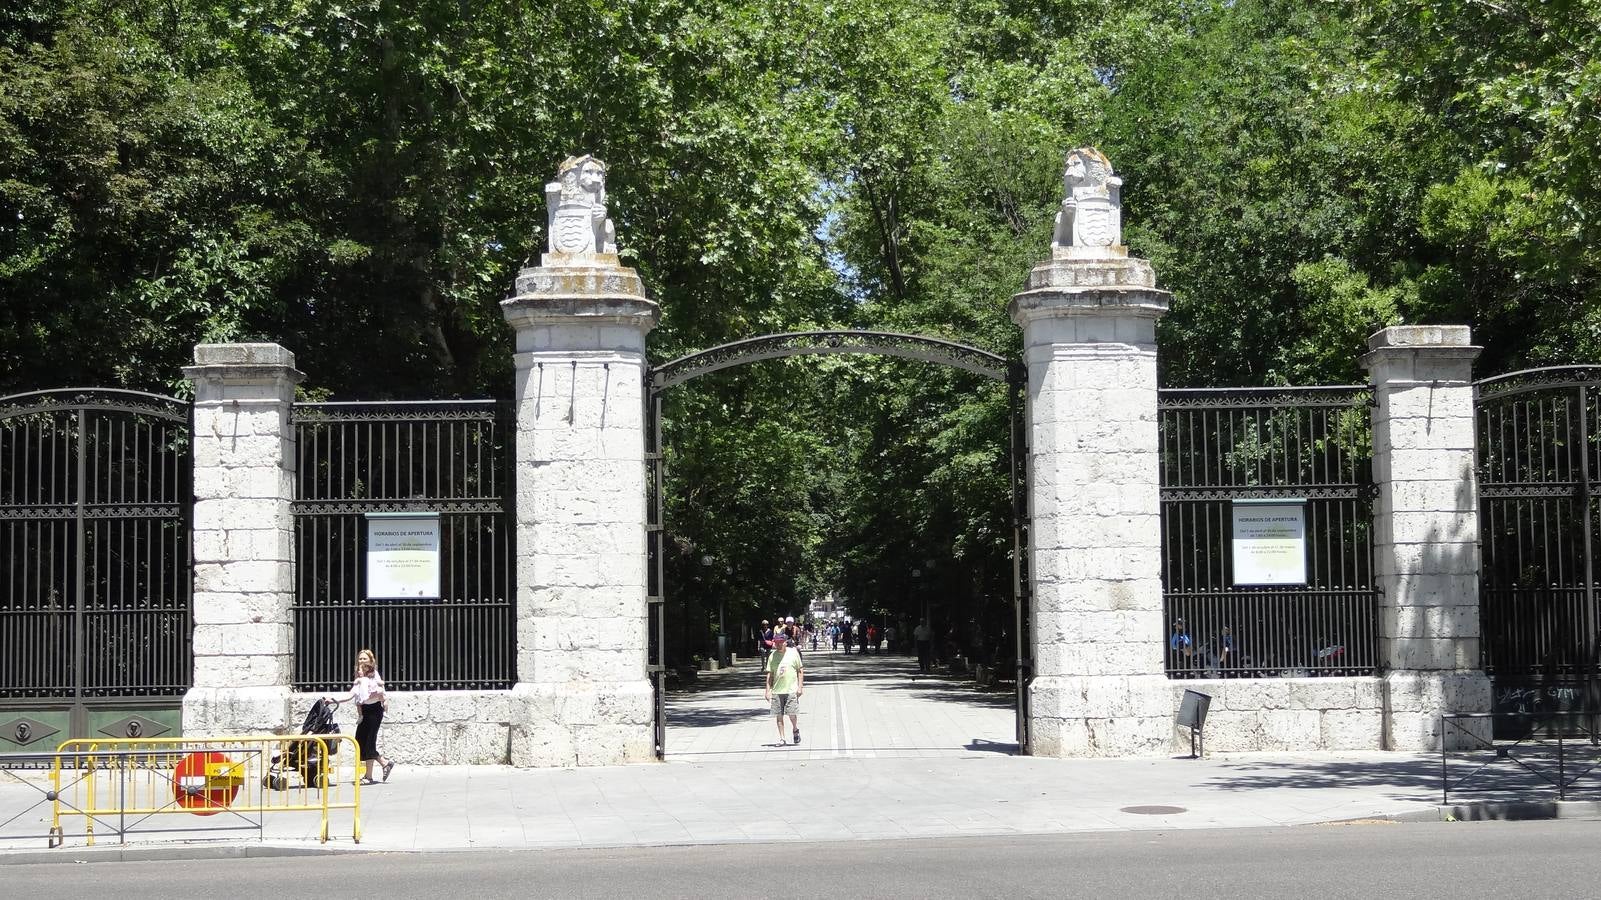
(403, 556)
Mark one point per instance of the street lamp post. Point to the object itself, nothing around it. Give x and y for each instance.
(707, 561)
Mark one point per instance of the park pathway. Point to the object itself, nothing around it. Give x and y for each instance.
(855, 706)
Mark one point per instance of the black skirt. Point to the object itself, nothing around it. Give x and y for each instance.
(369, 717)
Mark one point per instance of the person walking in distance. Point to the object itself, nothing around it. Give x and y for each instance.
(786, 681)
(923, 636)
(367, 692)
(861, 636)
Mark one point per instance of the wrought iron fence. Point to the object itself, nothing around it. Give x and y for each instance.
(449, 457)
(1226, 446)
(1539, 448)
(94, 554)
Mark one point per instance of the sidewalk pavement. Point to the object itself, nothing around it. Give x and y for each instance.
(885, 754)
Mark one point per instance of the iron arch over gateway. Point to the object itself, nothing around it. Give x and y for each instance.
(918, 348)
(832, 342)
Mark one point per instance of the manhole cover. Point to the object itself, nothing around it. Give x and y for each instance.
(1154, 810)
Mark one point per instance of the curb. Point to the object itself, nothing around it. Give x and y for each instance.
(1520, 810)
(1495, 811)
(167, 853)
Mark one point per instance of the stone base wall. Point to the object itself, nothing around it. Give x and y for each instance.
(432, 728)
(1276, 714)
(219, 712)
(531, 725)
(1099, 716)
(582, 724)
(420, 727)
(1417, 699)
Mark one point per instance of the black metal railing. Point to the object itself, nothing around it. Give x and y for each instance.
(1539, 451)
(1556, 756)
(95, 576)
(1310, 448)
(449, 457)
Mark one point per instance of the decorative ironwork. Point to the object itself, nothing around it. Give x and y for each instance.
(1543, 379)
(133, 727)
(94, 548)
(816, 343)
(112, 400)
(449, 457)
(1335, 396)
(24, 731)
(1539, 451)
(411, 410)
(362, 507)
(1221, 445)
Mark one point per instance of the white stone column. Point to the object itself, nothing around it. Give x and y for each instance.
(1089, 336)
(583, 695)
(1426, 531)
(243, 539)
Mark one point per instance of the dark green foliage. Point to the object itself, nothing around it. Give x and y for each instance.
(361, 180)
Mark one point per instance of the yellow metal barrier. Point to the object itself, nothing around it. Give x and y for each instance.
(112, 781)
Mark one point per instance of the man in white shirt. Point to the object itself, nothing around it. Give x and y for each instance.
(924, 637)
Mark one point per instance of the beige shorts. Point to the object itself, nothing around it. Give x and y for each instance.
(786, 704)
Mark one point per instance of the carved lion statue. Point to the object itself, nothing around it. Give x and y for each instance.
(576, 212)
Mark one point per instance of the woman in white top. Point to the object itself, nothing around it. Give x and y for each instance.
(367, 692)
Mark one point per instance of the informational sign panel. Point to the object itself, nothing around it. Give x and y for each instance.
(403, 556)
(1269, 542)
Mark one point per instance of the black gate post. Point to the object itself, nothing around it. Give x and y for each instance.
(1017, 401)
(655, 591)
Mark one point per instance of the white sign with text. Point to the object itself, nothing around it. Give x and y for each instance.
(403, 556)
(1269, 542)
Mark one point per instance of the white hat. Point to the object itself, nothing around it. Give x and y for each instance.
(790, 620)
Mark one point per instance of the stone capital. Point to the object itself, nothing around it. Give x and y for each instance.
(267, 368)
(594, 290)
(1106, 284)
(1434, 354)
(1135, 303)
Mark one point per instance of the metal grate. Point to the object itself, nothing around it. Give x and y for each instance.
(450, 457)
(94, 545)
(1539, 449)
(1228, 444)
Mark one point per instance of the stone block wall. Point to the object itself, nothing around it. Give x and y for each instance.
(1426, 531)
(434, 728)
(242, 538)
(1287, 714)
(583, 695)
(1089, 338)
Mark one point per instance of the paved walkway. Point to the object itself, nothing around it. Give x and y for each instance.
(885, 755)
(855, 706)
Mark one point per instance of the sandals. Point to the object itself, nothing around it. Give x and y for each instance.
(366, 780)
(388, 767)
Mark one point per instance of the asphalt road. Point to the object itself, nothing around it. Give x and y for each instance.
(1380, 860)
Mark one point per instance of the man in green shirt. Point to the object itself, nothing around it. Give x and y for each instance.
(786, 681)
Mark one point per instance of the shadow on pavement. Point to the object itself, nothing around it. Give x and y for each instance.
(1410, 776)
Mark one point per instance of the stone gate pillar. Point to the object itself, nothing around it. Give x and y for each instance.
(1426, 532)
(583, 695)
(243, 538)
(1089, 337)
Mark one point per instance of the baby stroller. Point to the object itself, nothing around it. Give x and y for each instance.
(304, 758)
